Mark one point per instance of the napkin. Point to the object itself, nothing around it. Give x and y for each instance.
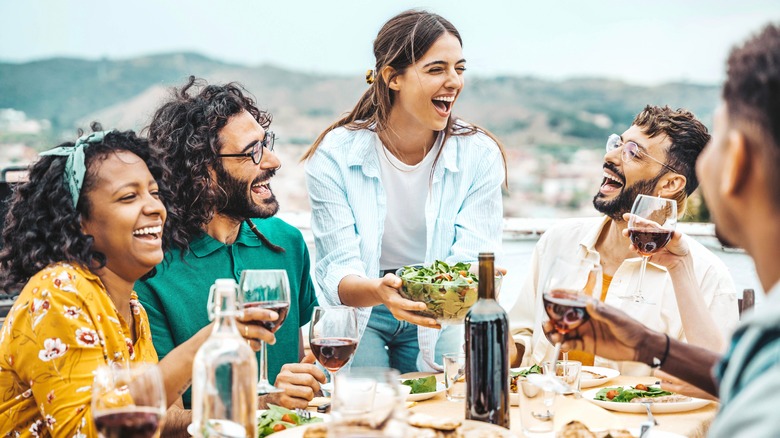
(316, 401)
(594, 417)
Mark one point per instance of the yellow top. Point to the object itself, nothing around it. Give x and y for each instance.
(60, 330)
(582, 356)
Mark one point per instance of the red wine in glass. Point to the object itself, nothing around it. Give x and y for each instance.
(128, 423)
(650, 227)
(566, 309)
(333, 353)
(333, 336)
(648, 241)
(280, 307)
(270, 289)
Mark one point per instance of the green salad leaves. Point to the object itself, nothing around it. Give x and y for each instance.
(448, 291)
(421, 385)
(533, 369)
(277, 419)
(625, 395)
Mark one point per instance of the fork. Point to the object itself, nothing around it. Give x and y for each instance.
(303, 413)
(648, 424)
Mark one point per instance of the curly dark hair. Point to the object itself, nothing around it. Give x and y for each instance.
(42, 225)
(752, 96)
(185, 132)
(687, 134)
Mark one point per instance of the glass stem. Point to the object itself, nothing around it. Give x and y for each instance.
(264, 365)
(638, 295)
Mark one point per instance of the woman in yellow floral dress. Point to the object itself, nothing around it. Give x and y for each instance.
(86, 226)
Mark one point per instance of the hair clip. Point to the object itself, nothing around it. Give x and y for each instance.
(370, 76)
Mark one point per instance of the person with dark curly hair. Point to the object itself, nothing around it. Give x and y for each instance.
(79, 233)
(741, 184)
(655, 156)
(218, 147)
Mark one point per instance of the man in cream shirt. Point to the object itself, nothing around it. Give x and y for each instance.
(655, 156)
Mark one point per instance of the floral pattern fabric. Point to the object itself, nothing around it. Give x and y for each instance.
(60, 330)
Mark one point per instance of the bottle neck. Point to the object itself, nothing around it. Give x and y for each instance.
(487, 276)
(225, 312)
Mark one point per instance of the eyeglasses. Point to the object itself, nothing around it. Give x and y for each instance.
(257, 149)
(631, 151)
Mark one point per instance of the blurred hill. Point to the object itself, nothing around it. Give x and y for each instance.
(554, 131)
(124, 93)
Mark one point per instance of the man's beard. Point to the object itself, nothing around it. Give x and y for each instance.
(236, 199)
(622, 204)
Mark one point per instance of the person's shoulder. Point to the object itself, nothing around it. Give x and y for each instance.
(468, 135)
(342, 138)
(277, 227)
(567, 232)
(62, 276)
(61, 284)
(575, 226)
(703, 254)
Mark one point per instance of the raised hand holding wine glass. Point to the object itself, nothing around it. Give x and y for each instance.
(128, 400)
(268, 289)
(569, 286)
(650, 227)
(333, 336)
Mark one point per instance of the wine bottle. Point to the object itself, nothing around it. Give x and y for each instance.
(487, 352)
(224, 373)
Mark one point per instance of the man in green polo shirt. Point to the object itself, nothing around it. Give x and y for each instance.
(218, 148)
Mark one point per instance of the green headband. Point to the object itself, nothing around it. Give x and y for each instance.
(75, 167)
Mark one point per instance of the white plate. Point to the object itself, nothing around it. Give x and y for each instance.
(638, 408)
(609, 374)
(426, 395)
(468, 426)
(191, 428)
(655, 433)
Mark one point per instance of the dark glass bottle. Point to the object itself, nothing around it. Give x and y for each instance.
(487, 353)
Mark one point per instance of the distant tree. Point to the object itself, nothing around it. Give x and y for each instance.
(697, 210)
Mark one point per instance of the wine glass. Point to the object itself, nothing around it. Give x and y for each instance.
(650, 227)
(267, 289)
(333, 336)
(566, 292)
(128, 401)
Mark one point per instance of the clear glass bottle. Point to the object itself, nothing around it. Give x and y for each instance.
(224, 373)
(487, 352)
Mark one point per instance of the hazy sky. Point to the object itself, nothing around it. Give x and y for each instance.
(638, 41)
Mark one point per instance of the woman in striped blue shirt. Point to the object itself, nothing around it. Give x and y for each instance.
(400, 181)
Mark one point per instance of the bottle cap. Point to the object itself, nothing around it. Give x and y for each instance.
(225, 282)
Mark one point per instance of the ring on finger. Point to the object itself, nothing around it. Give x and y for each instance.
(246, 331)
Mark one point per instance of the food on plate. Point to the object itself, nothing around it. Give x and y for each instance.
(317, 431)
(515, 375)
(277, 419)
(421, 385)
(585, 374)
(429, 426)
(575, 429)
(448, 291)
(430, 422)
(639, 394)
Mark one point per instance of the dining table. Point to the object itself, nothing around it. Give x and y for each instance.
(693, 423)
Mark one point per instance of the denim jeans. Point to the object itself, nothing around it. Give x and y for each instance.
(388, 342)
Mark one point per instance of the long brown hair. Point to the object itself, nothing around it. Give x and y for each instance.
(399, 43)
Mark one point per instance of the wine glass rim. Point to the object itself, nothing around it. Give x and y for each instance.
(337, 307)
(655, 198)
(265, 271)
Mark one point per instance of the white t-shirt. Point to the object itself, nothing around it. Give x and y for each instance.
(406, 187)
